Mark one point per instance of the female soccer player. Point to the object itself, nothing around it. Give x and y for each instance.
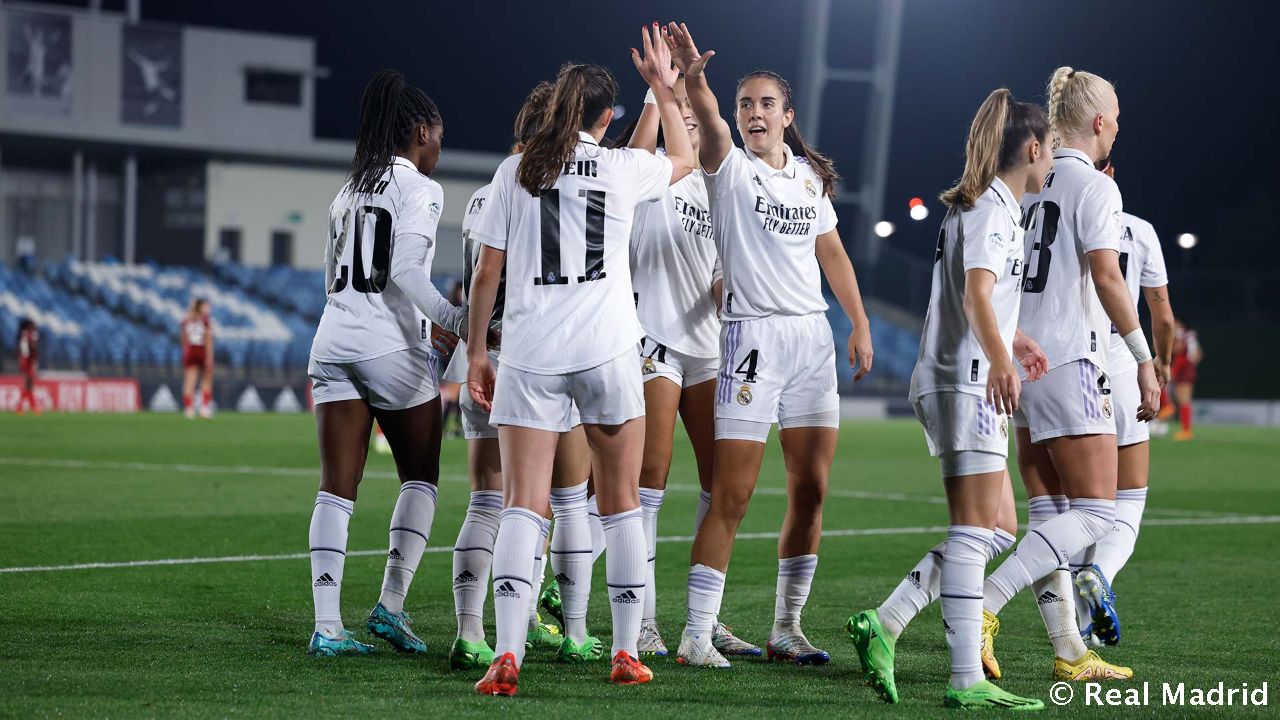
(965, 385)
(1142, 263)
(774, 228)
(1065, 422)
(28, 363)
(197, 358)
(676, 275)
(371, 357)
(1186, 358)
(559, 216)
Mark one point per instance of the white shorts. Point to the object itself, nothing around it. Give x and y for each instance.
(780, 369)
(1072, 399)
(1126, 398)
(659, 361)
(608, 394)
(475, 419)
(965, 431)
(395, 381)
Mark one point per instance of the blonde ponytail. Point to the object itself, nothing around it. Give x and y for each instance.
(1076, 97)
(981, 151)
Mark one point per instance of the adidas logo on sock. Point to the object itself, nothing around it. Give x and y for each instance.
(395, 554)
(627, 597)
(563, 579)
(1047, 597)
(465, 577)
(947, 627)
(325, 580)
(914, 577)
(505, 590)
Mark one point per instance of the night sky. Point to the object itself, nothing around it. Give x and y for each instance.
(1195, 151)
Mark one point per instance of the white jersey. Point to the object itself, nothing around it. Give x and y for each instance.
(767, 222)
(569, 303)
(1077, 212)
(457, 370)
(987, 237)
(1142, 263)
(673, 263)
(367, 315)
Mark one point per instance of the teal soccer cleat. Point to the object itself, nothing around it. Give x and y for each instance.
(395, 628)
(323, 646)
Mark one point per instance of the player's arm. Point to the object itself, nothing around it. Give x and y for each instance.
(645, 136)
(1108, 281)
(1003, 384)
(483, 295)
(208, 346)
(410, 271)
(717, 140)
(838, 270)
(655, 67)
(1162, 328)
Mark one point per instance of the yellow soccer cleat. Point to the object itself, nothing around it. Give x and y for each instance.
(990, 628)
(1089, 667)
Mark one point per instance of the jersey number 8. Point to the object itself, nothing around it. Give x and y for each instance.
(1046, 232)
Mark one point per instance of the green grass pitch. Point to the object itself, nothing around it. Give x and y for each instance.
(227, 638)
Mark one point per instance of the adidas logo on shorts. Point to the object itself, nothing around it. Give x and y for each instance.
(563, 579)
(505, 590)
(627, 597)
(465, 577)
(326, 580)
(1047, 597)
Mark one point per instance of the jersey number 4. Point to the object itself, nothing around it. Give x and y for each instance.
(550, 221)
(1045, 232)
(379, 220)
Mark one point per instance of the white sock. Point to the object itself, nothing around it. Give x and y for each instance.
(706, 588)
(1001, 540)
(1114, 549)
(795, 577)
(571, 556)
(410, 528)
(704, 505)
(1047, 547)
(965, 560)
(539, 570)
(513, 551)
(1055, 597)
(917, 590)
(598, 543)
(625, 572)
(328, 538)
(472, 555)
(650, 504)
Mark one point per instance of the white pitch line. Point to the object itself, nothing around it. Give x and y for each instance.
(851, 532)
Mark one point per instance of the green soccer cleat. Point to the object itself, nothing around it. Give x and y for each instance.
(587, 651)
(875, 651)
(470, 655)
(542, 636)
(550, 602)
(344, 644)
(986, 695)
(395, 628)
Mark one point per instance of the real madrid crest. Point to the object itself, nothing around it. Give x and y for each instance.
(647, 367)
(744, 395)
(1106, 407)
(809, 188)
(1004, 428)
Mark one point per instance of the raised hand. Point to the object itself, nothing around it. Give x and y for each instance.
(655, 65)
(684, 52)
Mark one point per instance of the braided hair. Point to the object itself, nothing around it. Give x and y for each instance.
(390, 112)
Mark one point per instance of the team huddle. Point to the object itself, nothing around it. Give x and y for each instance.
(613, 285)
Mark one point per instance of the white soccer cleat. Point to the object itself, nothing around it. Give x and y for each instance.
(650, 643)
(699, 652)
(190, 413)
(727, 643)
(206, 412)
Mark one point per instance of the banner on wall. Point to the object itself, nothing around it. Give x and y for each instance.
(78, 395)
(39, 63)
(151, 76)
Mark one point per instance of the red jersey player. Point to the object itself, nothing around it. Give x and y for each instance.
(28, 361)
(197, 358)
(1186, 357)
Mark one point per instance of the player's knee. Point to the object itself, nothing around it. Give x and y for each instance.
(808, 494)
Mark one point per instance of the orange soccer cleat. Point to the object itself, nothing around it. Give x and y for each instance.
(502, 678)
(628, 670)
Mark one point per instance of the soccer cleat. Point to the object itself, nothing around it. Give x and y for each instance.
(728, 644)
(344, 644)
(1088, 638)
(190, 413)
(1089, 667)
(1097, 594)
(466, 655)
(1183, 436)
(586, 651)
(502, 677)
(542, 636)
(206, 412)
(990, 628)
(550, 602)
(628, 670)
(697, 652)
(795, 647)
(395, 628)
(875, 651)
(650, 644)
(985, 695)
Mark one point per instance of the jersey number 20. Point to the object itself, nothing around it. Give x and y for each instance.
(376, 282)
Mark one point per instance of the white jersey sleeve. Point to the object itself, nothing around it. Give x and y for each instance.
(491, 227)
(415, 248)
(1098, 225)
(1142, 263)
(652, 172)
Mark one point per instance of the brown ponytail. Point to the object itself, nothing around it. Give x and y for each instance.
(533, 112)
(581, 94)
(821, 165)
(999, 131)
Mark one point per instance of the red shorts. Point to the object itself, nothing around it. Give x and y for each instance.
(1183, 371)
(193, 357)
(26, 370)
